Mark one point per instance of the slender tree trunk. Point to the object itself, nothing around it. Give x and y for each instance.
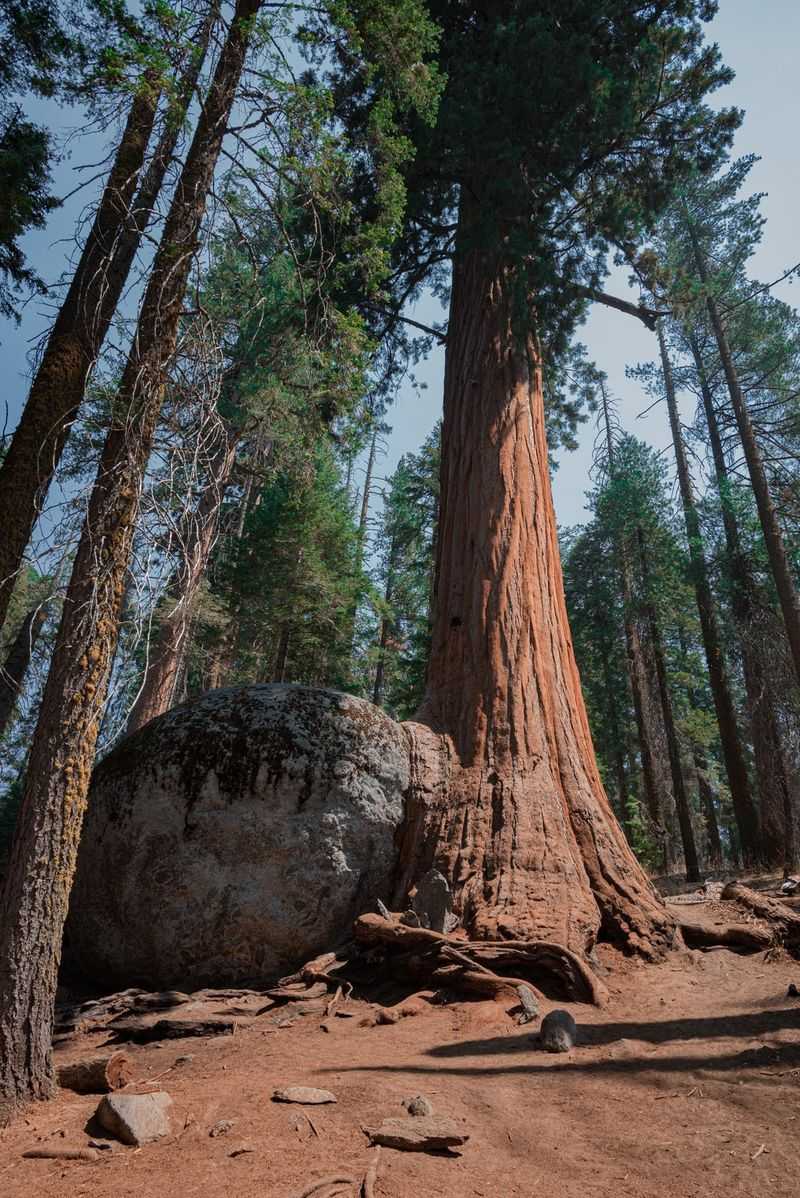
(773, 536)
(362, 520)
(732, 750)
(85, 316)
(506, 799)
(59, 382)
(770, 761)
(656, 801)
(619, 749)
(36, 894)
(386, 622)
(706, 793)
(169, 651)
(15, 666)
(281, 653)
(673, 744)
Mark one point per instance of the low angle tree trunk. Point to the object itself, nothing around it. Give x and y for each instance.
(657, 801)
(166, 660)
(85, 316)
(18, 658)
(760, 683)
(386, 625)
(770, 526)
(42, 865)
(732, 749)
(82, 322)
(682, 806)
(506, 798)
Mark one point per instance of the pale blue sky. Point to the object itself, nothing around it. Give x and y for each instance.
(760, 40)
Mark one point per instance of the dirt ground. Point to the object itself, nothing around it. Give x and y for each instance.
(686, 1084)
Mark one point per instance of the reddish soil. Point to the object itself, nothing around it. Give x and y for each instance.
(685, 1085)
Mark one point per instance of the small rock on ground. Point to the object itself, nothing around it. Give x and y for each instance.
(431, 1133)
(419, 1106)
(135, 1118)
(558, 1032)
(221, 1128)
(304, 1094)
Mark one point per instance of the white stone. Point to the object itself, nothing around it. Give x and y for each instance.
(236, 837)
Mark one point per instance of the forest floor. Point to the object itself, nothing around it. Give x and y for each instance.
(685, 1085)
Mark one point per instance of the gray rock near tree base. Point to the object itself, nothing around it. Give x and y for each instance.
(432, 902)
(236, 837)
(558, 1032)
(135, 1118)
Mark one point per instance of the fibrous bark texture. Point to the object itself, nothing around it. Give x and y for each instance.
(506, 800)
(58, 387)
(34, 902)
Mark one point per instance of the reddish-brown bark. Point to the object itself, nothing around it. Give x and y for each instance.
(506, 799)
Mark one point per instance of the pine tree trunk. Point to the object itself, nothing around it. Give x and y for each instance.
(15, 667)
(380, 668)
(36, 894)
(618, 752)
(85, 316)
(362, 520)
(682, 806)
(770, 762)
(164, 666)
(713, 839)
(82, 322)
(732, 750)
(506, 799)
(281, 653)
(656, 801)
(773, 536)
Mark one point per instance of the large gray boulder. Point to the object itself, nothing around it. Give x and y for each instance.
(237, 836)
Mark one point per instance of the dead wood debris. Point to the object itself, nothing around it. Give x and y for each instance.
(758, 923)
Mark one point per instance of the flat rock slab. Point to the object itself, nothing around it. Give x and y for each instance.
(135, 1118)
(428, 1133)
(305, 1094)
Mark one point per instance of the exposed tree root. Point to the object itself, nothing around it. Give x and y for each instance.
(477, 965)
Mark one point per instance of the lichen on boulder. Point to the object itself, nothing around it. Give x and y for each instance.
(236, 836)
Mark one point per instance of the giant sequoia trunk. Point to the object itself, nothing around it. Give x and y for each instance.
(42, 866)
(507, 800)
